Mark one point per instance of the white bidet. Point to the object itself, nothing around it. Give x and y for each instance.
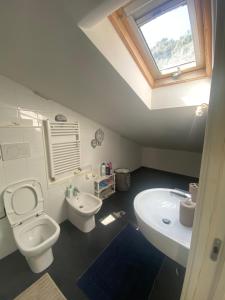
(82, 209)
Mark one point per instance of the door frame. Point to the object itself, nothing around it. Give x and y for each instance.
(205, 278)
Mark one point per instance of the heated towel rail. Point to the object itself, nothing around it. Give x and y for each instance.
(63, 139)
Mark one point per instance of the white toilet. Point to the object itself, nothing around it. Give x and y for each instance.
(82, 209)
(34, 231)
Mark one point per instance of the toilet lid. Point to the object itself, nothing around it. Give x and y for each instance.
(23, 200)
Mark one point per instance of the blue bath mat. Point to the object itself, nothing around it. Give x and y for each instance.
(126, 269)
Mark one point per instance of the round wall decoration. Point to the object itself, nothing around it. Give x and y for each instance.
(99, 136)
(93, 143)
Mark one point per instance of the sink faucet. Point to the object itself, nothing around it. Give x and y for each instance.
(75, 192)
(184, 194)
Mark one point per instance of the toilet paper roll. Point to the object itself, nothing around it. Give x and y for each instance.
(193, 190)
(187, 211)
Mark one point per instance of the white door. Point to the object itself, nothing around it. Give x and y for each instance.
(205, 277)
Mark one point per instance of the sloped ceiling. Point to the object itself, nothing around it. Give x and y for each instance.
(42, 48)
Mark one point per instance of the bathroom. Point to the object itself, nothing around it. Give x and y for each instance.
(57, 67)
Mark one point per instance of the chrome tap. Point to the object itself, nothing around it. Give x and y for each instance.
(75, 192)
(181, 193)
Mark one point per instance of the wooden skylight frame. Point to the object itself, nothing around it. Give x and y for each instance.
(125, 30)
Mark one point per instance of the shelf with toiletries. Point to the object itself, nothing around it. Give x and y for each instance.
(104, 185)
(106, 193)
(102, 178)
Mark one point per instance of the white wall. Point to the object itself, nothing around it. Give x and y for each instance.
(180, 95)
(17, 104)
(179, 162)
(104, 36)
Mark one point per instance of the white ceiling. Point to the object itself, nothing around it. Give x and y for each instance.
(42, 48)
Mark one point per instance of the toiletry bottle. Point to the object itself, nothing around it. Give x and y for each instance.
(110, 167)
(107, 169)
(103, 169)
(69, 191)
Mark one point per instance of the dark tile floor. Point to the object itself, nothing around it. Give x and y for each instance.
(75, 251)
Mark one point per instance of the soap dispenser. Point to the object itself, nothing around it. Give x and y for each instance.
(69, 191)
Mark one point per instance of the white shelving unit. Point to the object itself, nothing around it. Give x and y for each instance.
(103, 191)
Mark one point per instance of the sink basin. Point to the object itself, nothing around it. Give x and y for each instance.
(157, 213)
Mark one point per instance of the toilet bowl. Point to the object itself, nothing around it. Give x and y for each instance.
(34, 231)
(82, 209)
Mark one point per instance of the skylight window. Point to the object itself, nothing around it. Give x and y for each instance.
(169, 39)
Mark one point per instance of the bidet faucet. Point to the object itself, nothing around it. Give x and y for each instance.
(75, 191)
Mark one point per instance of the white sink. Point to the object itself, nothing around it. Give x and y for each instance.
(154, 208)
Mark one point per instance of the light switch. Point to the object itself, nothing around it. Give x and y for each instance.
(15, 151)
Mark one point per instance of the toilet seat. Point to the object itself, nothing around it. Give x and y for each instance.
(34, 231)
(23, 200)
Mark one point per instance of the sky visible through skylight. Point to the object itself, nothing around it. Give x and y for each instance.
(171, 33)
